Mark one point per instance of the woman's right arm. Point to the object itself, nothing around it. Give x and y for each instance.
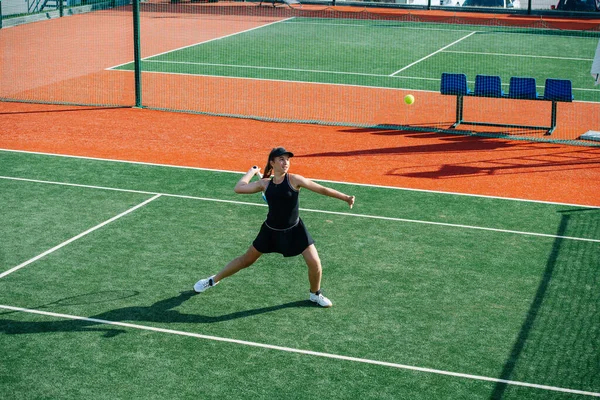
(244, 186)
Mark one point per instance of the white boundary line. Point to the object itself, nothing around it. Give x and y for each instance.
(518, 55)
(316, 179)
(300, 22)
(311, 83)
(206, 41)
(412, 78)
(537, 34)
(329, 83)
(434, 53)
(304, 352)
(63, 244)
(266, 68)
(413, 221)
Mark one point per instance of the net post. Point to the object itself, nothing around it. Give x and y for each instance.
(136, 53)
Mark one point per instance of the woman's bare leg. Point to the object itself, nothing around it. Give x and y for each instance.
(313, 262)
(238, 263)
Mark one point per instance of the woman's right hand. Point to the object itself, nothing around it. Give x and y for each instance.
(245, 186)
(255, 170)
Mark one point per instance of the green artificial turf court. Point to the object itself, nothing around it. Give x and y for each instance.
(435, 295)
(388, 54)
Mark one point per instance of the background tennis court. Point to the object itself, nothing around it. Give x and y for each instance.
(343, 66)
(387, 54)
(501, 290)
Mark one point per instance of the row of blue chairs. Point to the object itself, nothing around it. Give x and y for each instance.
(523, 88)
(518, 88)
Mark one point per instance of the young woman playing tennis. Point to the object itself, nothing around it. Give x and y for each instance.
(283, 232)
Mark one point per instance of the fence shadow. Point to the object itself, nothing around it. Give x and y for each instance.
(557, 338)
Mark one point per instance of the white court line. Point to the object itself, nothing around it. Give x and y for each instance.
(416, 221)
(434, 53)
(537, 34)
(519, 55)
(304, 352)
(300, 22)
(316, 179)
(63, 244)
(316, 71)
(414, 78)
(207, 41)
(412, 221)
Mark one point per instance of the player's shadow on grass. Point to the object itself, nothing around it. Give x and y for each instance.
(160, 312)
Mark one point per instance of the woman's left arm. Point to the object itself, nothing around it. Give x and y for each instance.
(300, 181)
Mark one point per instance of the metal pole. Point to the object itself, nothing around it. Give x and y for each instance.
(137, 53)
(0, 14)
(61, 11)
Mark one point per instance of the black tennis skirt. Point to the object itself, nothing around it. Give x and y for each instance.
(289, 242)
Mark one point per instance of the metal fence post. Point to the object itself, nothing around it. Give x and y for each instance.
(136, 53)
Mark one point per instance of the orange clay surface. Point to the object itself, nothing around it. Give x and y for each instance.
(432, 161)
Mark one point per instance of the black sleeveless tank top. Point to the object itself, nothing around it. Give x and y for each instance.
(283, 205)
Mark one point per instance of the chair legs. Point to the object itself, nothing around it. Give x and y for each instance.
(459, 119)
(552, 120)
(459, 111)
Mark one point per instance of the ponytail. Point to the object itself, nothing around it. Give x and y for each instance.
(268, 169)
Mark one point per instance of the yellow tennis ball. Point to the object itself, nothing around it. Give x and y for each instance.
(409, 99)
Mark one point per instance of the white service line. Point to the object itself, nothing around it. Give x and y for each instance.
(482, 228)
(304, 352)
(63, 244)
(412, 221)
(434, 53)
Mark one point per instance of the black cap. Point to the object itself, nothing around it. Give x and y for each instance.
(279, 151)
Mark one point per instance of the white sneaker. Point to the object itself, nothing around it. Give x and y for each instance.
(204, 284)
(320, 299)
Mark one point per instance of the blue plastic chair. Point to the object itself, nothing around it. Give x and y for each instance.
(522, 88)
(488, 86)
(558, 90)
(454, 84)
